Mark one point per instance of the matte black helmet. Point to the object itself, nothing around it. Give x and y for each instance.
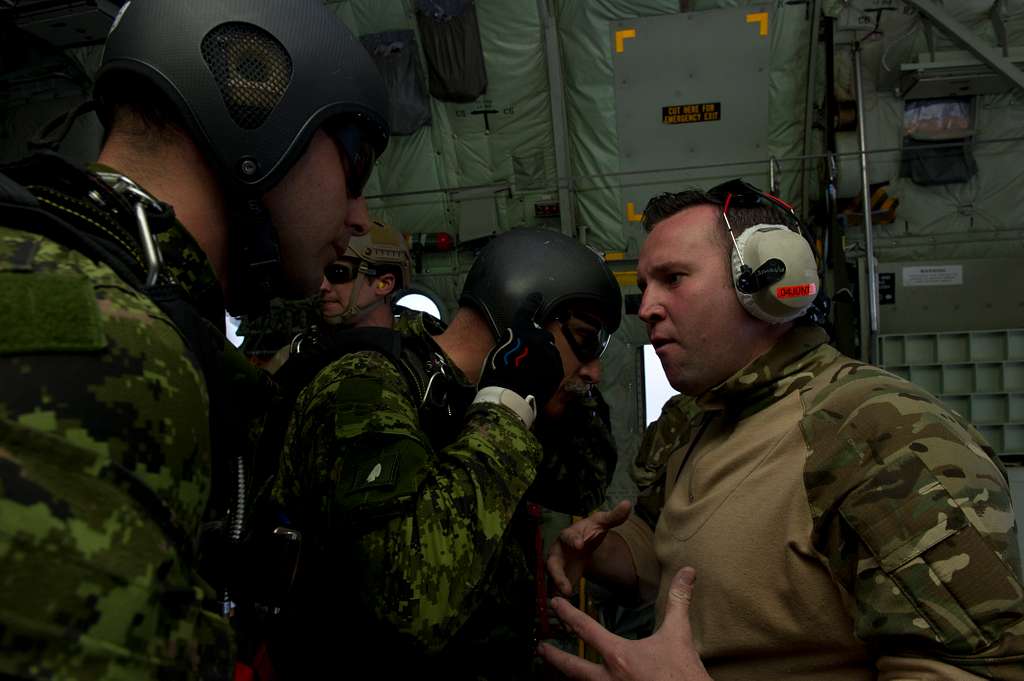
(252, 79)
(517, 263)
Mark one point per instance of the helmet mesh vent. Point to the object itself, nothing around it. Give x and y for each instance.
(251, 68)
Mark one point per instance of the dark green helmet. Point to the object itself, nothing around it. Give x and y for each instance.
(517, 263)
(251, 79)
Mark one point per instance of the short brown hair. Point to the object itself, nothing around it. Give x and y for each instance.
(665, 205)
(135, 106)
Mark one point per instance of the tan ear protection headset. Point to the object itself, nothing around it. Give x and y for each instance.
(773, 265)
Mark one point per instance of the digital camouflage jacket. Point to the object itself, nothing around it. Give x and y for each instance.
(105, 449)
(414, 552)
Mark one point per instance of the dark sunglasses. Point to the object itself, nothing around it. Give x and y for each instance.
(358, 154)
(341, 272)
(587, 338)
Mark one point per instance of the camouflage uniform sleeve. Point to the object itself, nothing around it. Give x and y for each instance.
(672, 430)
(912, 512)
(104, 475)
(428, 522)
(579, 458)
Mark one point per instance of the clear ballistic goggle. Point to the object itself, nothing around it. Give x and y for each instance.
(585, 335)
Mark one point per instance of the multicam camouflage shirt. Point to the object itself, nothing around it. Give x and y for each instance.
(105, 453)
(411, 551)
(910, 508)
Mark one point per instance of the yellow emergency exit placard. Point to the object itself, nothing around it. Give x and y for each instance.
(678, 114)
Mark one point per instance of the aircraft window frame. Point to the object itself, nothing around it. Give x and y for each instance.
(656, 389)
(231, 329)
(428, 295)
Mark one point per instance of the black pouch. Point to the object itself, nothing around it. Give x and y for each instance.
(395, 54)
(451, 43)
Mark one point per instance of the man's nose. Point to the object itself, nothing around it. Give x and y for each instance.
(651, 311)
(591, 372)
(357, 219)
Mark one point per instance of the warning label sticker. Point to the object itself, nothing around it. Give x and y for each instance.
(936, 275)
(678, 114)
(797, 291)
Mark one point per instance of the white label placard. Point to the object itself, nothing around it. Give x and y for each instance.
(934, 275)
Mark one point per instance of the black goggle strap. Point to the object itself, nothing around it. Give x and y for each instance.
(587, 351)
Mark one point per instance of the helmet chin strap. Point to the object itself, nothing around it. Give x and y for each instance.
(255, 275)
(354, 311)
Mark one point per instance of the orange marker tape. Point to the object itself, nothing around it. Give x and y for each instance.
(798, 291)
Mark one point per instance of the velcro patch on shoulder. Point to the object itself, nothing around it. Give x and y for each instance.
(376, 473)
(379, 480)
(902, 512)
(359, 390)
(48, 312)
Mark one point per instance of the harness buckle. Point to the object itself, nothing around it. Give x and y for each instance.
(141, 200)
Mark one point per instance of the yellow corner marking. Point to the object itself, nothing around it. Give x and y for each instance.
(620, 37)
(631, 213)
(757, 17)
(614, 256)
(625, 278)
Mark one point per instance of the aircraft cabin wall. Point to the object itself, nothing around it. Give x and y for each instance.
(572, 113)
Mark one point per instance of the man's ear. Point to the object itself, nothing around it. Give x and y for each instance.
(384, 285)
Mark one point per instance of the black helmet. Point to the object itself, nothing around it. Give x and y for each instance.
(517, 263)
(252, 80)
